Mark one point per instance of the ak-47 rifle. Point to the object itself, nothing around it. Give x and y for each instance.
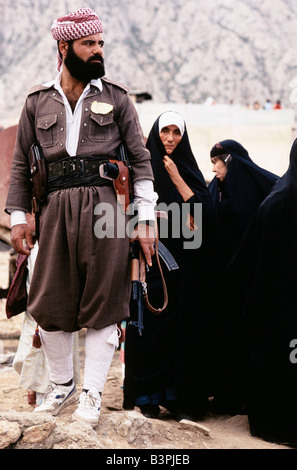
(138, 277)
(138, 263)
(138, 286)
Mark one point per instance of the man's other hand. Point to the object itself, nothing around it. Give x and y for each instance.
(20, 234)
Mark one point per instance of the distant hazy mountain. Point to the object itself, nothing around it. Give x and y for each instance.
(178, 50)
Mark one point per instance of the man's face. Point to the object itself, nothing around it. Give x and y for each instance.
(84, 58)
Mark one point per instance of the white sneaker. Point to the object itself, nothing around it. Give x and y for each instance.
(88, 409)
(57, 398)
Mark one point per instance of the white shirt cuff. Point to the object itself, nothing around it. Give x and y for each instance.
(145, 199)
(146, 213)
(17, 217)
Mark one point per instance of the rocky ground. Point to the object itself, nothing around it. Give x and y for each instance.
(118, 429)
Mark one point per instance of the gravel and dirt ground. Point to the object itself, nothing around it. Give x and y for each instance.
(224, 432)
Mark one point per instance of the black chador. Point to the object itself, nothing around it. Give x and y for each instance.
(236, 199)
(168, 364)
(267, 263)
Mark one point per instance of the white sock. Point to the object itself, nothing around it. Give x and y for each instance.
(58, 347)
(100, 346)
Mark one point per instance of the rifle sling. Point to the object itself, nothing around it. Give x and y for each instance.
(142, 276)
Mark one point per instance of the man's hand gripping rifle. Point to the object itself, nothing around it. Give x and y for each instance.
(139, 268)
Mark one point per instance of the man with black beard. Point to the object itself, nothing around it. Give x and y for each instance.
(84, 71)
(81, 277)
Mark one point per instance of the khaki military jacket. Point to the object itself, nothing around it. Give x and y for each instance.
(102, 129)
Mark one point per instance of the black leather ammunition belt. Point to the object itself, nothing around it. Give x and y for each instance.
(75, 166)
(80, 171)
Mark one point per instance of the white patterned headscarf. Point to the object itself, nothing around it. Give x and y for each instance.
(76, 25)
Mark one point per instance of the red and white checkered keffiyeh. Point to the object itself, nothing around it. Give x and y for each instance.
(75, 25)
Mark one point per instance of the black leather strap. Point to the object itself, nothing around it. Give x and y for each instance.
(75, 166)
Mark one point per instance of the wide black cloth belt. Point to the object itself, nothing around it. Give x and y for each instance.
(80, 171)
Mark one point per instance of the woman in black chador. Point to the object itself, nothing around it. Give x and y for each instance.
(267, 261)
(169, 364)
(238, 189)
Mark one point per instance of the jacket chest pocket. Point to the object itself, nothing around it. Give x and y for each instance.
(101, 127)
(47, 130)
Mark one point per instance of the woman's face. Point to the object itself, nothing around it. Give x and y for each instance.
(170, 137)
(219, 168)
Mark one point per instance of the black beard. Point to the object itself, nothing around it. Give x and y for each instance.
(84, 71)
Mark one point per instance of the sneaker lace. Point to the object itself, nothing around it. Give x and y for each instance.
(89, 401)
(51, 393)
